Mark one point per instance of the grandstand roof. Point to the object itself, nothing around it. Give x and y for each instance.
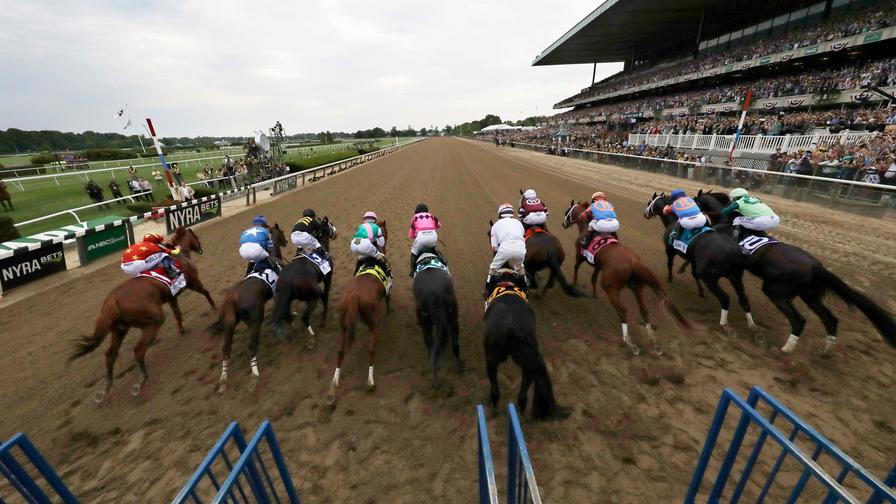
(619, 28)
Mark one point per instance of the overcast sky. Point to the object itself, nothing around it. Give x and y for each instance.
(228, 68)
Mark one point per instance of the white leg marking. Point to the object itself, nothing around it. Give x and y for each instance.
(791, 344)
(724, 319)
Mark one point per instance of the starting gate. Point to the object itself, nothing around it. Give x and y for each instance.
(521, 485)
(816, 469)
(29, 474)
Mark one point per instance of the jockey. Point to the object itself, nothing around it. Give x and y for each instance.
(532, 211)
(603, 218)
(306, 231)
(689, 215)
(255, 245)
(754, 214)
(508, 242)
(423, 232)
(370, 242)
(148, 254)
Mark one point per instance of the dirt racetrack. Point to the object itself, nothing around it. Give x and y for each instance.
(638, 422)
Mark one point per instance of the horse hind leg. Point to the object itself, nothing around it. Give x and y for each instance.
(374, 325)
(645, 316)
(146, 339)
(737, 281)
(712, 284)
(614, 295)
(225, 356)
(522, 398)
(306, 319)
(797, 322)
(111, 355)
(254, 335)
(178, 316)
(815, 302)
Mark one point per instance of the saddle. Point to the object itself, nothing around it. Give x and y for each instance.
(174, 285)
(532, 231)
(322, 262)
(507, 287)
(430, 260)
(377, 270)
(596, 245)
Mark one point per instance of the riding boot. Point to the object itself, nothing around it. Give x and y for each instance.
(249, 268)
(736, 233)
(588, 238)
(170, 269)
(441, 256)
(413, 265)
(358, 265)
(676, 232)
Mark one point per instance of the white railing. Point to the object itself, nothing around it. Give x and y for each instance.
(757, 144)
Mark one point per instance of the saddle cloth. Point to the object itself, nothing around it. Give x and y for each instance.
(753, 243)
(268, 276)
(532, 231)
(378, 272)
(597, 244)
(428, 260)
(687, 236)
(320, 261)
(505, 289)
(158, 274)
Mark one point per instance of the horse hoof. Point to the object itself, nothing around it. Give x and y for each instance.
(730, 331)
(758, 337)
(136, 389)
(371, 387)
(331, 399)
(253, 384)
(634, 348)
(99, 396)
(312, 343)
(222, 387)
(657, 349)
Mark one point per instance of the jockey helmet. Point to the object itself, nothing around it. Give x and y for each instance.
(530, 194)
(259, 220)
(598, 195)
(370, 215)
(309, 213)
(153, 238)
(421, 208)
(505, 210)
(738, 193)
(678, 193)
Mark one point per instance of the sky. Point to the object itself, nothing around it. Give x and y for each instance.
(228, 68)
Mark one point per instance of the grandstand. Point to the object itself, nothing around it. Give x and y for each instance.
(820, 72)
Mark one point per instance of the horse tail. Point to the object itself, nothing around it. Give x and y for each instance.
(879, 317)
(554, 265)
(544, 403)
(283, 302)
(441, 329)
(648, 278)
(86, 344)
(227, 317)
(350, 315)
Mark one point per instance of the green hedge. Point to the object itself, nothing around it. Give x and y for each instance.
(202, 191)
(43, 158)
(7, 230)
(106, 154)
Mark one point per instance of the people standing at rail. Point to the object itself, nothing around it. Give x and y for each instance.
(753, 214)
(533, 211)
(689, 215)
(369, 241)
(148, 254)
(256, 244)
(509, 243)
(423, 232)
(602, 217)
(306, 233)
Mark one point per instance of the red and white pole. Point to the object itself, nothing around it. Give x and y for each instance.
(740, 125)
(155, 140)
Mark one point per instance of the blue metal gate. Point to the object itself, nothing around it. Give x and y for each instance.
(488, 488)
(236, 471)
(521, 485)
(793, 441)
(31, 476)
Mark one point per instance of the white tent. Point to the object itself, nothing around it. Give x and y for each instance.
(499, 127)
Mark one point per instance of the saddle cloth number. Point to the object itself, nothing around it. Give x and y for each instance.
(752, 243)
(267, 276)
(680, 246)
(322, 264)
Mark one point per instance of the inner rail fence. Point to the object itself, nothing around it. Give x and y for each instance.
(779, 458)
(877, 200)
(15, 261)
(757, 144)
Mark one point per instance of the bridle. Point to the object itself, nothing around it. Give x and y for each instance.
(649, 211)
(567, 219)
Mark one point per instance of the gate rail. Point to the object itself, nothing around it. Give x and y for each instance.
(488, 488)
(32, 489)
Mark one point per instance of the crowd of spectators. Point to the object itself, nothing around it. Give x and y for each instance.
(860, 21)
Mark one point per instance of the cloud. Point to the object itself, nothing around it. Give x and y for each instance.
(230, 67)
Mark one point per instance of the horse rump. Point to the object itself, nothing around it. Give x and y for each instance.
(881, 320)
(648, 278)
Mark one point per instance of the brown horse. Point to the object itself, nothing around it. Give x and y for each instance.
(5, 198)
(137, 302)
(245, 302)
(620, 267)
(360, 299)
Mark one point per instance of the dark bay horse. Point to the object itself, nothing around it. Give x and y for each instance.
(5, 198)
(245, 302)
(788, 271)
(544, 251)
(137, 302)
(713, 256)
(620, 268)
(437, 313)
(510, 332)
(302, 280)
(360, 300)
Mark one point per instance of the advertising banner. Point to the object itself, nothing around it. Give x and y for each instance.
(21, 269)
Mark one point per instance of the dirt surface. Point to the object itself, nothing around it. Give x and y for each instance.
(638, 422)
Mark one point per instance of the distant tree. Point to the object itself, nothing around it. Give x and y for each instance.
(393, 132)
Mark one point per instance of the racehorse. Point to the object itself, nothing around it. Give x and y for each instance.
(621, 267)
(301, 280)
(245, 302)
(510, 332)
(436, 311)
(5, 198)
(544, 250)
(712, 256)
(137, 302)
(360, 299)
(788, 271)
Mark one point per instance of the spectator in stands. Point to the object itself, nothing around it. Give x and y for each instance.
(157, 177)
(186, 192)
(146, 189)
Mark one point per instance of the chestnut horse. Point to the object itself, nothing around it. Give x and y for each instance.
(360, 299)
(621, 267)
(137, 302)
(5, 198)
(245, 302)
